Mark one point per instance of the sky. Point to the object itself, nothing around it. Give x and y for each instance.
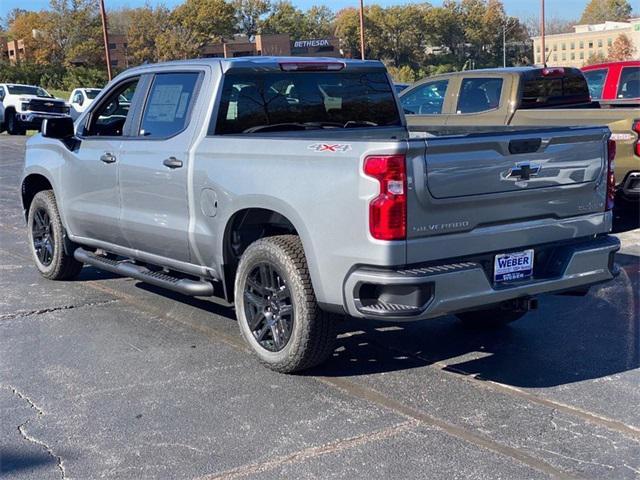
(567, 9)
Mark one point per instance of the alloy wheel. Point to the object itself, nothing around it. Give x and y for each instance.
(268, 307)
(42, 234)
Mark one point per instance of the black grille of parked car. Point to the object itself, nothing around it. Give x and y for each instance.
(48, 106)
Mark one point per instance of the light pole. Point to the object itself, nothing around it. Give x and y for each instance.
(544, 51)
(362, 29)
(105, 35)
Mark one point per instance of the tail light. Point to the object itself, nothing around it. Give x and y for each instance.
(636, 129)
(611, 176)
(388, 211)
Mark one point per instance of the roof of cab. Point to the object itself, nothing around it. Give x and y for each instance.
(263, 63)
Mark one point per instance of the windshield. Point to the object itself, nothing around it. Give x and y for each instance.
(28, 90)
(92, 93)
(290, 101)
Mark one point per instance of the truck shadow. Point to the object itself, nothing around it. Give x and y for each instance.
(626, 216)
(569, 339)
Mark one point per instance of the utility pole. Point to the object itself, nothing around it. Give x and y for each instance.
(544, 51)
(105, 34)
(362, 29)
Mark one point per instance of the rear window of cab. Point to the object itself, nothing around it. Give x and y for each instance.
(298, 101)
(554, 90)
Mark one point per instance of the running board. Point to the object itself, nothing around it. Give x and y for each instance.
(193, 288)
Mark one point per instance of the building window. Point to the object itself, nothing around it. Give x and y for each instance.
(114, 63)
(581, 44)
(564, 46)
(600, 43)
(573, 45)
(555, 47)
(609, 42)
(555, 57)
(112, 46)
(590, 44)
(573, 56)
(564, 56)
(581, 55)
(538, 49)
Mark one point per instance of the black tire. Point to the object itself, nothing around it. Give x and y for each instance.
(489, 318)
(46, 239)
(13, 124)
(311, 331)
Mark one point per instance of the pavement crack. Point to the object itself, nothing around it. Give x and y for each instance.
(22, 428)
(40, 311)
(313, 452)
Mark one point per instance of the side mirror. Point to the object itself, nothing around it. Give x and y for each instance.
(60, 128)
(80, 101)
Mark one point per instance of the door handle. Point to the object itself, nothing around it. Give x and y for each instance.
(108, 157)
(172, 162)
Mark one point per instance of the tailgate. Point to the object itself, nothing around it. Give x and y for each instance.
(465, 182)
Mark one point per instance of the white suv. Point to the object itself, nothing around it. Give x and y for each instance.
(81, 98)
(24, 107)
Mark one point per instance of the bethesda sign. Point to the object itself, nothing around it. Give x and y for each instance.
(311, 43)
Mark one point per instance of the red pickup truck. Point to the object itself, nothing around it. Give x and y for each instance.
(614, 82)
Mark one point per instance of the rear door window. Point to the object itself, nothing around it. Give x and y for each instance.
(596, 79)
(168, 103)
(629, 86)
(296, 101)
(479, 95)
(425, 99)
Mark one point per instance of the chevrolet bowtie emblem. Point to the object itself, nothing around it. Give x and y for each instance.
(524, 171)
(49, 104)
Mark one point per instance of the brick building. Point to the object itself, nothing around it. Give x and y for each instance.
(241, 46)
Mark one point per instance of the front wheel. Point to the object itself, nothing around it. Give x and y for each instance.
(13, 124)
(46, 239)
(490, 318)
(276, 307)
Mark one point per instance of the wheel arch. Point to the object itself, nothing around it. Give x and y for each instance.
(249, 224)
(31, 185)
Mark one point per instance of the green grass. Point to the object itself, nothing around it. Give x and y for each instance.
(59, 93)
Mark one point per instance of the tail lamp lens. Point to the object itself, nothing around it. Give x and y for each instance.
(611, 176)
(388, 211)
(636, 129)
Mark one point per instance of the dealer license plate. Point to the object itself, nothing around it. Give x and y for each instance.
(513, 266)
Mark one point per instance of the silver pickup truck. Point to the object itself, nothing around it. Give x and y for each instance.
(293, 188)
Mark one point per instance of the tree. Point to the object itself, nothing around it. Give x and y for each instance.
(347, 29)
(621, 49)
(75, 30)
(193, 24)
(146, 26)
(595, 58)
(287, 19)
(249, 14)
(319, 22)
(599, 11)
(22, 27)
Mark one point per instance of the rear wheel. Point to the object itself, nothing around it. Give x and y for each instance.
(490, 318)
(14, 126)
(276, 307)
(46, 239)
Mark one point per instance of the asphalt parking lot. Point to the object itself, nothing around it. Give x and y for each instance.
(105, 377)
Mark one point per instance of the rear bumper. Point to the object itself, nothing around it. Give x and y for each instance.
(420, 292)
